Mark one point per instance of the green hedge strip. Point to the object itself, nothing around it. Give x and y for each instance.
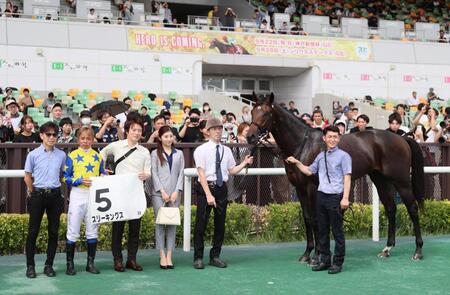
(245, 224)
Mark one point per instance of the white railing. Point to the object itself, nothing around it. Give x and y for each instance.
(190, 173)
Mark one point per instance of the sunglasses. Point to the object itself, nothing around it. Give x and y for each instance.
(51, 134)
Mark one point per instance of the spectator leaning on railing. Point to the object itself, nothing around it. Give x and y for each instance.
(213, 15)
(229, 19)
(92, 16)
(395, 122)
(66, 135)
(318, 121)
(27, 134)
(6, 130)
(361, 124)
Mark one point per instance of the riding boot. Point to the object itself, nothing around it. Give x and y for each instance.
(70, 253)
(92, 249)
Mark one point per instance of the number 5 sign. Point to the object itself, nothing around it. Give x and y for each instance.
(116, 198)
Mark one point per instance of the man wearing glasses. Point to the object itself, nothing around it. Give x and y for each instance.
(43, 170)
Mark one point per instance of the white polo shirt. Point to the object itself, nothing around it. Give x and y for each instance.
(205, 157)
(138, 161)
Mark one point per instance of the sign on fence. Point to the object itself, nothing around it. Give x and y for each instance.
(116, 198)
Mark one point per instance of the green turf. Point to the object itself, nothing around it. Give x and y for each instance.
(258, 269)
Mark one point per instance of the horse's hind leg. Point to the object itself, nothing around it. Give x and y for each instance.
(386, 194)
(406, 192)
(308, 218)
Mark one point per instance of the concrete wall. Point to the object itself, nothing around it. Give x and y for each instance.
(44, 68)
(388, 80)
(298, 88)
(114, 37)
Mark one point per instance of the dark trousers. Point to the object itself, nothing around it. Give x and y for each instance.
(51, 203)
(134, 227)
(329, 214)
(201, 221)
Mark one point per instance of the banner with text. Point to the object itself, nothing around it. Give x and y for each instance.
(248, 44)
(116, 198)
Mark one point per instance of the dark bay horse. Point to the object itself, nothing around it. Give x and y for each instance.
(228, 49)
(391, 162)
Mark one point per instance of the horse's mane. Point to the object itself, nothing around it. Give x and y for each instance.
(292, 121)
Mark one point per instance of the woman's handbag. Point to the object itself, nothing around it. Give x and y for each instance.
(168, 216)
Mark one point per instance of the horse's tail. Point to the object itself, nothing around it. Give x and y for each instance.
(418, 175)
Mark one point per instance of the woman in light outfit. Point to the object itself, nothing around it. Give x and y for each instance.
(167, 178)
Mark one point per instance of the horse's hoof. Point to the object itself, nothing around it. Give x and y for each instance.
(313, 262)
(417, 257)
(384, 254)
(304, 259)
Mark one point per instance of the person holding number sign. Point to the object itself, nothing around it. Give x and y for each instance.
(43, 170)
(167, 178)
(214, 163)
(81, 164)
(129, 157)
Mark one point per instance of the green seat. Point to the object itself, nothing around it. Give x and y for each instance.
(131, 93)
(38, 117)
(83, 100)
(99, 99)
(42, 121)
(77, 108)
(172, 95)
(32, 111)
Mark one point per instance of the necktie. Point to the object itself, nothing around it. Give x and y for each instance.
(219, 179)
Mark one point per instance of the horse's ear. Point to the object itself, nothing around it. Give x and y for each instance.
(255, 97)
(271, 98)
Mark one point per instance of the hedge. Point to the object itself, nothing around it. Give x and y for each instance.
(245, 224)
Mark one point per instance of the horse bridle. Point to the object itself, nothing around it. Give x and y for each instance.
(262, 140)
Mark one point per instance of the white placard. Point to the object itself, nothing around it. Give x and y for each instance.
(116, 198)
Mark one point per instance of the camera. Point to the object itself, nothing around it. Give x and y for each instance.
(194, 120)
(442, 139)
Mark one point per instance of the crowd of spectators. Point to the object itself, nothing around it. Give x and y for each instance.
(410, 11)
(17, 126)
(427, 124)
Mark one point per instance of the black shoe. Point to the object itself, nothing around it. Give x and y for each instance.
(170, 266)
(49, 272)
(321, 266)
(198, 263)
(217, 262)
(163, 266)
(31, 272)
(334, 269)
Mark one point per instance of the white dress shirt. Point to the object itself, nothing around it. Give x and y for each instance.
(205, 157)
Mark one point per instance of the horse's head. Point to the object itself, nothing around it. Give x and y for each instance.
(213, 43)
(261, 119)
